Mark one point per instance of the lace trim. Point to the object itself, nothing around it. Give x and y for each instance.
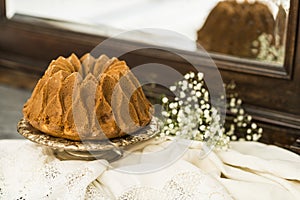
(95, 192)
(29, 171)
(186, 185)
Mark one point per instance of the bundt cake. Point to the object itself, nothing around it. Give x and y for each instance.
(73, 99)
(231, 27)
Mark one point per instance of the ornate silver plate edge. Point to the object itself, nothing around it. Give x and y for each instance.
(29, 132)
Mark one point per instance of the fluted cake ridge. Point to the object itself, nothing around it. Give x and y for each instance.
(73, 99)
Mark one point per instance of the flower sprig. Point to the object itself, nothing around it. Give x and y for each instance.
(239, 125)
(265, 50)
(191, 115)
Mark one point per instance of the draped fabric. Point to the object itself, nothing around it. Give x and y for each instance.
(248, 170)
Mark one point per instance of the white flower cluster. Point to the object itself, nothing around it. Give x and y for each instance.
(265, 50)
(190, 114)
(239, 125)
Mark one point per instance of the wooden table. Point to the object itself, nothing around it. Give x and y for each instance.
(11, 104)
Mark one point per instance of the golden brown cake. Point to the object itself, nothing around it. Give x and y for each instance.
(74, 99)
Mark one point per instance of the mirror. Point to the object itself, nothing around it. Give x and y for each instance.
(248, 29)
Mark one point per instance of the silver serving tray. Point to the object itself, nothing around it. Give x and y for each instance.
(66, 149)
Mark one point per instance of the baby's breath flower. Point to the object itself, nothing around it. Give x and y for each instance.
(248, 137)
(165, 114)
(240, 118)
(234, 138)
(184, 87)
(200, 76)
(255, 137)
(239, 101)
(182, 95)
(234, 110)
(206, 95)
(173, 88)
(187, 110)
(195, 99)
(192, 74)
(187, 76)
(202, 128)
(207, 106)
(206, 134)
(206, 113)
(171, 126)
(241, 111)
(191, 115)
(164, 99)
(174, 111)
(253, 125)
(232, 102)
(264, 49)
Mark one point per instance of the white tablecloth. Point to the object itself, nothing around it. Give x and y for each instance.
(249, 170)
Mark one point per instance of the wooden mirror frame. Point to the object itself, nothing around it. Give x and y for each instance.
(271, 95)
